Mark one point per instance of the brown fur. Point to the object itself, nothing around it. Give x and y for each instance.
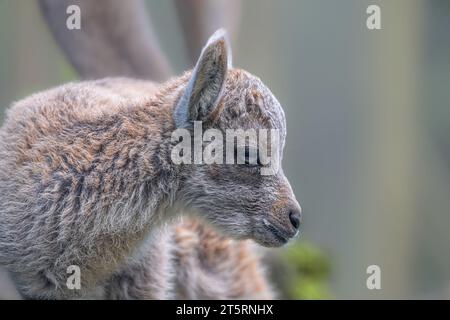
(88, 181)
(128, 47)
(216, 267)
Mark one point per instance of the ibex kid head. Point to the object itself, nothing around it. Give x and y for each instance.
(245, 199)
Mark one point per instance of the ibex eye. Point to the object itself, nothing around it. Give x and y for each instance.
(246, 156)
(251, 157)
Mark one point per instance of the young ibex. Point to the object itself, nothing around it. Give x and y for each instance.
(87, 180)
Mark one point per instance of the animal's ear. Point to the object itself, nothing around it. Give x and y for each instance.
(204, 89)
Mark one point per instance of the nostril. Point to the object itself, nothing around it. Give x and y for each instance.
(294, 216)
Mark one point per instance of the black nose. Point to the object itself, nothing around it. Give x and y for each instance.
(295, 217)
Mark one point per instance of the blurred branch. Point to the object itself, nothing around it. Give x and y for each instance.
(116, 38)
(200, 18)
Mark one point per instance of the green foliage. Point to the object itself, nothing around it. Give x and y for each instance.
(308, 271)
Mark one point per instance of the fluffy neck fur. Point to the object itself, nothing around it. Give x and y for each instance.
(99, 179)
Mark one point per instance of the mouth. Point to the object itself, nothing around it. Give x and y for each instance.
(281, 237)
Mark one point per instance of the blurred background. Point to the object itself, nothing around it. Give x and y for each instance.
(368, 112)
